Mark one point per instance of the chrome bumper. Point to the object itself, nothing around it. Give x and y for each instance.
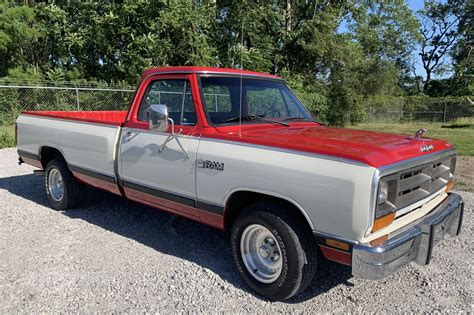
(414, 243)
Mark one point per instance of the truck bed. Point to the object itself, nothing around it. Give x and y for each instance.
(115, 118)
(86, 139)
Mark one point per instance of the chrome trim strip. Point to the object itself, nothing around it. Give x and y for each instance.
(373, 200)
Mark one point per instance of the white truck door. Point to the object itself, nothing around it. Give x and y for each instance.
(163, 178)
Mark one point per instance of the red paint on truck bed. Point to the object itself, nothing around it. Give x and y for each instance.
(109, 117)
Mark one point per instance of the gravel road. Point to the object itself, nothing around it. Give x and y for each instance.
(116, 255)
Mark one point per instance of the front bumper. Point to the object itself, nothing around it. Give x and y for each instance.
(414, 243)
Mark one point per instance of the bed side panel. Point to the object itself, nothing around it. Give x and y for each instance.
(84, 145)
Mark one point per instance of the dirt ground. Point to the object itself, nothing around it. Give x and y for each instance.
(465, 173)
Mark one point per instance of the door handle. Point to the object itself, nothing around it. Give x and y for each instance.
(129, 135)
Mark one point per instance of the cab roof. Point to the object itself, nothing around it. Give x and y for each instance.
(205, 70)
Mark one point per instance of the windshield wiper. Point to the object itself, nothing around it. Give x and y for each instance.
(254, 117)
(295, 118)
(302, 118)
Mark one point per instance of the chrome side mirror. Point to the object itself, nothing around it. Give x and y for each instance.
(158, 117)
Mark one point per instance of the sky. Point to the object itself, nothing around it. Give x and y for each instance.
(416, 5)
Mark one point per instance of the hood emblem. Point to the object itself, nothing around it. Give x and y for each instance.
(420, 133)
(426, 148)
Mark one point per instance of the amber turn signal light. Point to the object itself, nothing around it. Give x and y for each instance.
(379, 240)
(384, 221)
(337, 244)
(450, 185)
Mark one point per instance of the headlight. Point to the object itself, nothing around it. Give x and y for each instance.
(385, 196)
(383, 193)
(385, 210)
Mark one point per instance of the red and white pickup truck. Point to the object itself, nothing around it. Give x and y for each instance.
(236, 150)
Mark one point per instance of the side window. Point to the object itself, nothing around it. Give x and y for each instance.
(174, 93)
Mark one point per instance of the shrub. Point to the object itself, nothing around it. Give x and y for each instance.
(6, 140)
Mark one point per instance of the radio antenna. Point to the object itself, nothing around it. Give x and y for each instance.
(241, 76)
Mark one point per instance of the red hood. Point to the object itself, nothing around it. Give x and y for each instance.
(372, 148)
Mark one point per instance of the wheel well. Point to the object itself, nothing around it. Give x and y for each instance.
(49, 153)
(241, 199)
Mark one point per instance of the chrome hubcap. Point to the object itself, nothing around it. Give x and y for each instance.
(261, 253)
(55, 184)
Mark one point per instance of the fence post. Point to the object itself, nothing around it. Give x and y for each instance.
(444, 112)
(77, 99)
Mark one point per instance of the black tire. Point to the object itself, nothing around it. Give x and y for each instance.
(73, 190)
(297, 244)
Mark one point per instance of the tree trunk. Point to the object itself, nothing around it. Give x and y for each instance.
(428, 79)
(288, 15)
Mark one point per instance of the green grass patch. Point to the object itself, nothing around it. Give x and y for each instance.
(462, 135)
(7, 136)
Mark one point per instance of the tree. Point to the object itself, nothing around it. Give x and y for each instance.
(110, 41)
(18, 37)
(463, 53)
(386, 31)
(439, 30)
(340, 57)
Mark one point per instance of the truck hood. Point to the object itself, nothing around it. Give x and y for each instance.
(373, 148)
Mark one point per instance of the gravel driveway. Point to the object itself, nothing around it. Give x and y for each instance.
(116, 255)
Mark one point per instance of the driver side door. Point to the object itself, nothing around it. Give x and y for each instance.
(163, 179)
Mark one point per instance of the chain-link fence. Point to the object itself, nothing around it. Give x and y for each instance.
(17, 98)
(422, 109)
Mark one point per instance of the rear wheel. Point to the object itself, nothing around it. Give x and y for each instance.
(275, 254)
(63, 190)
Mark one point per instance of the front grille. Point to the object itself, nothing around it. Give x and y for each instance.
(416, 183)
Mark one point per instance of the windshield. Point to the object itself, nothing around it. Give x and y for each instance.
(267, 99)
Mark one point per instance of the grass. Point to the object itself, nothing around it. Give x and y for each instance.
(7, 136)
(460, 133)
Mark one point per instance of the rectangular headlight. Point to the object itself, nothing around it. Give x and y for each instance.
(386, 196)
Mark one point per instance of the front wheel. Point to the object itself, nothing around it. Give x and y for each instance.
(63, 190)
(274, 254)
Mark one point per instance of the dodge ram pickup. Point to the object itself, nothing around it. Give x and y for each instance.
(238, 151)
